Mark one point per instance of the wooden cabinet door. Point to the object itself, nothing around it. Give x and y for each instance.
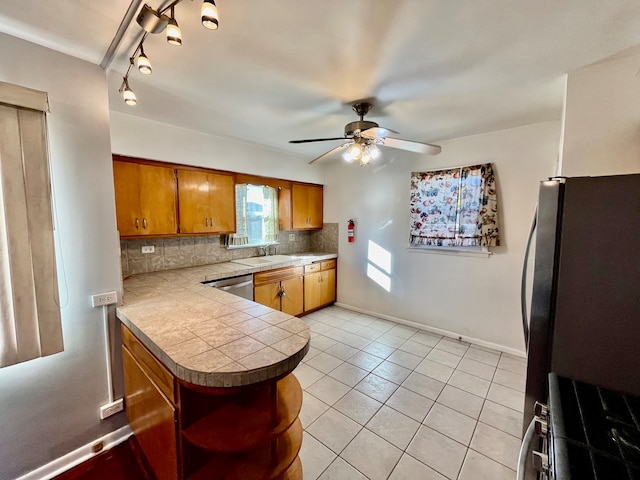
(222, 203)
(157, 200)
(312, 291)
(315, 206)
(126, 177)
(145, 199)
(328, 286)
(306, 206)
(284, 209)
(193, 200)
(299, 207)
(267, 294)
(207, 202)
(293, 302)
(152, 419)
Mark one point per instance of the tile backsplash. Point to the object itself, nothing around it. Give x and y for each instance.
(179, 252)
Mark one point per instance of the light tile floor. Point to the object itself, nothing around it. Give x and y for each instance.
(387, 401)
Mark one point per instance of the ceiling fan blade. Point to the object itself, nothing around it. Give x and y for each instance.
(330, 152)
(376, 132)
(309, 140)
(412, 146)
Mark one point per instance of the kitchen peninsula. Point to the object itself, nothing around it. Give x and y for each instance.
(208, 384)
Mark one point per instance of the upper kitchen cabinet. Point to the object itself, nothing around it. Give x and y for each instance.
(284, 209)
(145, 199)
(306, 206)
(207, 202)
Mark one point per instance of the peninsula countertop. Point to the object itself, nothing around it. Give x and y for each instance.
(209, 337)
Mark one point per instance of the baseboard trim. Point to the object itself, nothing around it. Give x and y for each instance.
(76, 457)
(439, 331)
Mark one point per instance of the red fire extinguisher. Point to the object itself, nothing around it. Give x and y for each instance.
(351, 230)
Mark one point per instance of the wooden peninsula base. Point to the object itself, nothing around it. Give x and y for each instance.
(188, 431)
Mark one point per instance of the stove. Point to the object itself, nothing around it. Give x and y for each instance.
(593, 433)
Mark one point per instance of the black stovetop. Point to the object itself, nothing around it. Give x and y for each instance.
(595, 432)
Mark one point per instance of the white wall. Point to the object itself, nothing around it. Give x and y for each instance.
(602, 125)
(49, 406)
(138, 137)
(473, 297)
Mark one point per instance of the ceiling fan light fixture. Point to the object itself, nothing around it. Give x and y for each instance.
(144, 64)
(354, 152)
(174, 35)
(209, 14)
(374, 151)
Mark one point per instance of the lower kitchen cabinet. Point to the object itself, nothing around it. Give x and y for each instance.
(151, 414)
(319, 284)
(281, 289)
(192, 432)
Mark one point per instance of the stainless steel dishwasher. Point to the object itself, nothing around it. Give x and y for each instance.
(241, 286)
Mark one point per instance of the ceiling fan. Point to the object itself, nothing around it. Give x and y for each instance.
(363, 138)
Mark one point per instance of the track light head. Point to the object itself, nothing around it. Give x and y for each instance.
(127, 94)
(209, 14)
(144, 64)
(174, 35)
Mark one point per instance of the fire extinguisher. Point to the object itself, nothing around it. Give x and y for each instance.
(351, 231)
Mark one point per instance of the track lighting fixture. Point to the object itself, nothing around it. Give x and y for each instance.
(209, 14)
(152, 21)
(144, 64)
(174, 35)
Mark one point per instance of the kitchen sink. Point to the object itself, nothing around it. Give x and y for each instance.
(258, 261)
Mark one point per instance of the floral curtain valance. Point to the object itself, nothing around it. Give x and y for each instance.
(454, 207)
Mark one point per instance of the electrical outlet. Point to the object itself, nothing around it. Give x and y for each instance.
(102, 299)
(148, 249)
(292, 237)
(111, 408)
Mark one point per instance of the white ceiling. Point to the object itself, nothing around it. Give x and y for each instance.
(286, 69)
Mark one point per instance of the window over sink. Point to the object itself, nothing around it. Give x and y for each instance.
(256, 216)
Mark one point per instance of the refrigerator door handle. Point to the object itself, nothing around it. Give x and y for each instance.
(523, 285)
(525, 448)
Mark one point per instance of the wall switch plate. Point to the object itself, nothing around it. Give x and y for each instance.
(102, 299)
(111, 409)
(148, 249)
(292, 237)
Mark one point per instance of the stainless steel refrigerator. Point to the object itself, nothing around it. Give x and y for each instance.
(585, 301)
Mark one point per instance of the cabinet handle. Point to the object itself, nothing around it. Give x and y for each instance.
(206, 222)
(144, 223)
(137, 223)
(211, 222)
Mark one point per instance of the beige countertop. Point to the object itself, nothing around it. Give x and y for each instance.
(209, 337)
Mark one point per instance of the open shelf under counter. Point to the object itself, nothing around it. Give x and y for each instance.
(242, 421)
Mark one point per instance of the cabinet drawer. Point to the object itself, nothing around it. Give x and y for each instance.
(276, 275)
(312, 268)
(156, 371)
(328, 264)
